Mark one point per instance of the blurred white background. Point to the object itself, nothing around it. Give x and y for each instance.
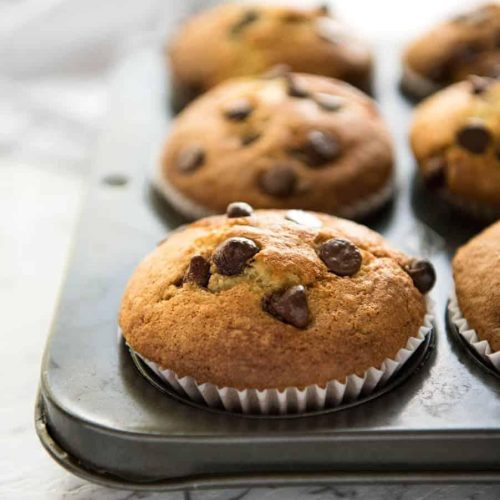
(56, 60)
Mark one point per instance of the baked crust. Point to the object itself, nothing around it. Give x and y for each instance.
(233, 170)
(222, 334)
(308, 41)
(470, 176)
(476, 269)
(465, 45)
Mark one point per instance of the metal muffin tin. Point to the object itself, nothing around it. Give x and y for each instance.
(99, 418)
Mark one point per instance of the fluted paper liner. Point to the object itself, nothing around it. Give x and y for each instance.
(482, 347)
(193, 210)
(293, 400)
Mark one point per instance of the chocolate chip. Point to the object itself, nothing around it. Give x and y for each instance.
(190, 158)
(341, 257)
(328, 102)
(239, 110)
(239, 209)
(294, 89)
(231, 256)
(319, 148)
(247, 139)
(435, 172)
(277, 71)
(422, 274)
(280, 180)
(475, 137)
(198, 271)
(479, 84)
(303, 218)
(248, 18)
(289, 306)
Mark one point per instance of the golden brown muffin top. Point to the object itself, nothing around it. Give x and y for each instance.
(271, 299)
(455, 136)
(476, 269)
(467, 44)
(289, 141)
(239, 40)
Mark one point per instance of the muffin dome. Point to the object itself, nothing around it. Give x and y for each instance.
(273, 299)
(467, 45)
(288, 141)
(476, 269)
(455, 136)
(242, 40)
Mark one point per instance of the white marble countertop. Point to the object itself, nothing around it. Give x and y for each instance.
(51, 111)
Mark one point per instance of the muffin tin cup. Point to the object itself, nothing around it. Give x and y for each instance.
(479, 347)
(192, 210)
(293, 400)
(416, 85)
(475, 209)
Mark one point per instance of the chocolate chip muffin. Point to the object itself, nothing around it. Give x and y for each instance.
(476, 270)
(242, 40)
(468, 44)
(273, 299)
(284, 141)
(455, 136)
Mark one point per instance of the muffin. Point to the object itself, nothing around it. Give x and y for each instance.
(455, 137)
(475, 307)
(286, 141)
(468, 44)
(243, 40)
(271, 299)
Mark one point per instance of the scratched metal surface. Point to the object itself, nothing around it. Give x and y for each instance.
(89, 378)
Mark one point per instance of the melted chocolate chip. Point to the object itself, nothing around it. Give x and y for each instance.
(198, 271)
(280, 180)
(422, 274)
(341, 257)
(294, 89)
(238, 209)
(319, 148)
(479, 84)
(328, 102)
(289, 306)
(247, 139)
(190, 158)
(248, 18)
(303, 218)
(231, 256)
(435, 172)
(239, 110)
(475, 137)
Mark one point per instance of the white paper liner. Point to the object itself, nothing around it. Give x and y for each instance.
(482, 347)
(293, 400)
(192, 210)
